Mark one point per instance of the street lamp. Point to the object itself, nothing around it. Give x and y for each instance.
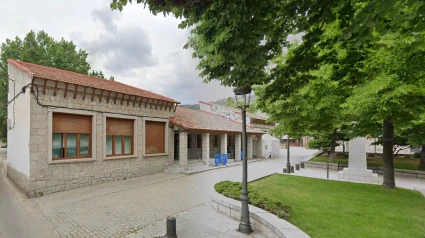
(243, 96)
(288, 163)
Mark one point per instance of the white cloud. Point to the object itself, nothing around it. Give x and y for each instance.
(135, 46)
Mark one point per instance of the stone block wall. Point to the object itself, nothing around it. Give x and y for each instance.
(48, 178)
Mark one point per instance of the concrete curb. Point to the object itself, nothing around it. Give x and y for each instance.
(397, 172)
(269, 224)
(311, 156)
(219, 167)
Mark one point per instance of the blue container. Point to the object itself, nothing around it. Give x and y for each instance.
(224, 159)
(217, 159)
(241, 155)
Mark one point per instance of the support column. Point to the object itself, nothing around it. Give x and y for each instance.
(259, 146)
(206, 148)
(250, 147)
(183, 150)
(357, 164)
(238, 148)
(223, 144)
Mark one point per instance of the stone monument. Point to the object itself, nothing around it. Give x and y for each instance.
(357, 164)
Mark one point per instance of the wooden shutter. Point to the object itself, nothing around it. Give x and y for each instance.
(155, 137)
(71, 123)
(119, 127)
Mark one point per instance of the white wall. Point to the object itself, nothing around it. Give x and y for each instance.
(223, 111)
(18, 114)
(271, 146)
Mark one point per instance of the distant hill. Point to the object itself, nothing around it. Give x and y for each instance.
(191, 106)
(219, 102)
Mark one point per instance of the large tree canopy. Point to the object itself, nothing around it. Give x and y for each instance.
(358, 67)
(234, 40)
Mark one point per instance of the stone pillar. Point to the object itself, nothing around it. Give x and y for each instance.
(357, 164)
(259, 146)
(223, 144)
(238, 149)
(183, 150)
(249, 146)
(206, 148)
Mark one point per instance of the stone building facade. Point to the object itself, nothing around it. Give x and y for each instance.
(45, 92)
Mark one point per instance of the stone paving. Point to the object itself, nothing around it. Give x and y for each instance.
(201, 221)
(137, 207)
(121, 208)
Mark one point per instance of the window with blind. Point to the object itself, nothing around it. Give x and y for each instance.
(72, 136)
(119, 136)
(154, 137)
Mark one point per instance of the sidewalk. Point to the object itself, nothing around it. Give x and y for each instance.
(201, 221)
(18, 217)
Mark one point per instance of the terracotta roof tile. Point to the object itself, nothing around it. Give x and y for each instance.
(64, 76)
(197, 120)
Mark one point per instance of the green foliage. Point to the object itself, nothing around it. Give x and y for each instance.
(100, 74)
(360, 62)
(233, 190)
(38, 48)
(232, 103)
(322, 144)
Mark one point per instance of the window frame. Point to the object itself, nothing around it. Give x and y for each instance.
(92, 141)
(166, 135)
(134, 153)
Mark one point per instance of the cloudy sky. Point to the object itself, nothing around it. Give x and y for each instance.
(134, 46)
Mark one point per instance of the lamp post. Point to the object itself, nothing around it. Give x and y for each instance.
(242, 102)
(288, 161)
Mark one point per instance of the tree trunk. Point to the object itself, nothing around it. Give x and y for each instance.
(422, 162)
(388, 143)
(333, 145)
(343, 147)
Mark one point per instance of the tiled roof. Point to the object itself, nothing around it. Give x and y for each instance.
(64, 76)
(196, 120)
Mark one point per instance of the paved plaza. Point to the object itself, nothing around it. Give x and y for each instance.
(121, 208)
(138, 207)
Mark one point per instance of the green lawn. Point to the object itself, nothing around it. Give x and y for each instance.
(399, 163)
(326, 208)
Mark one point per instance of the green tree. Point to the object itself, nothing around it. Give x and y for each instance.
(253, 108)
(38, 48)
(376, 85)
(236, 40)
(100, 74)
(415, 135)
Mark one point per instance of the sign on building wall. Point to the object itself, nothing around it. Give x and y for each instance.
(223, 111)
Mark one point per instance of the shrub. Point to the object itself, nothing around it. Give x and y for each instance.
(417, 155)
(233, 189)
